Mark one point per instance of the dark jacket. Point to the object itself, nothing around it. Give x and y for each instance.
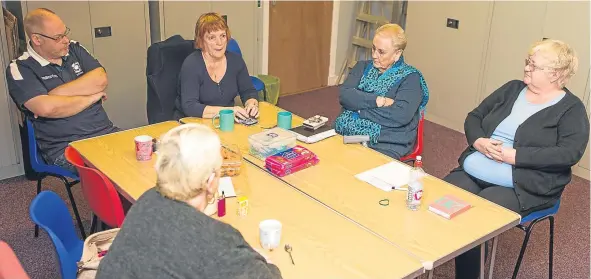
(162, 70)
(399, 122)
(547, 144)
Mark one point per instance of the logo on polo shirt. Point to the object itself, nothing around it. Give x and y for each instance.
(77, 69)
(49, 77)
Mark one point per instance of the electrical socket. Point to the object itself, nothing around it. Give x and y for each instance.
(453, 23)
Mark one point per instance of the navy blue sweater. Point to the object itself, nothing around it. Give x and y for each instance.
(196, 89)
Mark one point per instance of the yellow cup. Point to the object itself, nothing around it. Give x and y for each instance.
(242, 210)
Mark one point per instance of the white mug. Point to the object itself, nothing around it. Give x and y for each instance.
(270, 234)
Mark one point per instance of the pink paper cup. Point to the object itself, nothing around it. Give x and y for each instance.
(143, 148)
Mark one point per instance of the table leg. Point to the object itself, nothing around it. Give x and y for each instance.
(482, 255)
(492, 259)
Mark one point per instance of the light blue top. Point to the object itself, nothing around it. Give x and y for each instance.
(483, 168)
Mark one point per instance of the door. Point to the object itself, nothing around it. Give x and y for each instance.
(299, 44)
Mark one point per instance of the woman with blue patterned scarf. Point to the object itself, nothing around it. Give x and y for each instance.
(384, 98)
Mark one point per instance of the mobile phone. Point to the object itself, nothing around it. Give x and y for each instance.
(249, 121)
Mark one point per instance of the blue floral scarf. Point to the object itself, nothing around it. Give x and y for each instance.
(348, 122)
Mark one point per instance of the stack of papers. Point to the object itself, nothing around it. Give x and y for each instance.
(227, 187)
(388, 177)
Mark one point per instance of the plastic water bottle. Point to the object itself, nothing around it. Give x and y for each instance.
(415, 185)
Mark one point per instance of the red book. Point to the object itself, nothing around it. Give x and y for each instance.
(449, 206)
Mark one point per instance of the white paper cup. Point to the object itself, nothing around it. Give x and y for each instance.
(143, 148)
(270, 234)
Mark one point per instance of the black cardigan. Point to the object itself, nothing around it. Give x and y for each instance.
(547, 144)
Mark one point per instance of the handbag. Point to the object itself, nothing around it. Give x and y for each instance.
(95, 248)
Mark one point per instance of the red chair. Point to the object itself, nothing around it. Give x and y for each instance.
(418, 150)
(10, 266)
(99, 192)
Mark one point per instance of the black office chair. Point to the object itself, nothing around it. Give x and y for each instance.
(163, 66)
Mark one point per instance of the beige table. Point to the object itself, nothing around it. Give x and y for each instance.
(325, 245)
(431, 238)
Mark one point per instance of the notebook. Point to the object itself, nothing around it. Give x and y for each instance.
(311, 136)
(449, 206)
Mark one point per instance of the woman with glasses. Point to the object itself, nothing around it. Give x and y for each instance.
(523, 140)
(384, 98)
(167, 233)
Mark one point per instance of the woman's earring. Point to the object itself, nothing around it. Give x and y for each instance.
(212, 200)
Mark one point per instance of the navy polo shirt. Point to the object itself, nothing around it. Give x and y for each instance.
(31, 75)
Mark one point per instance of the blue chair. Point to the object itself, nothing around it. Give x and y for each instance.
(533, 219)
(50, 212)
(44, 170)
(256, 82)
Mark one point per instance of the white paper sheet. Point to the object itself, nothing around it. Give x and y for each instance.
(387, 177)
(226, 186)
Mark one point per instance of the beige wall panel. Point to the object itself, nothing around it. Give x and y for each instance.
(344, 32)
(569, 21)
(511, 35)
(180, 17)
(124, 56)
(75, 15)
(242, 22)
(451, 59)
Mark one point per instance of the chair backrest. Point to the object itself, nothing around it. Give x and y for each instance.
(36, 160)
(99, 192)
(162, 70)
(418, 149)
(50, 212)
(34, 156)
(10, 266)
(234, 47)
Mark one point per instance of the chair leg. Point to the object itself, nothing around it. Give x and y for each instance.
(551, 250)
(38, 191)
(93, 224)
(74, 208)
(522, 252)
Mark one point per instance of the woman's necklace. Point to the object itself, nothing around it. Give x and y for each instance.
(213, 67)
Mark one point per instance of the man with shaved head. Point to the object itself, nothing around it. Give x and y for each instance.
(59, 86)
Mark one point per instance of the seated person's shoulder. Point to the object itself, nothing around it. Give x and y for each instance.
(193, 60)
(234, 59)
